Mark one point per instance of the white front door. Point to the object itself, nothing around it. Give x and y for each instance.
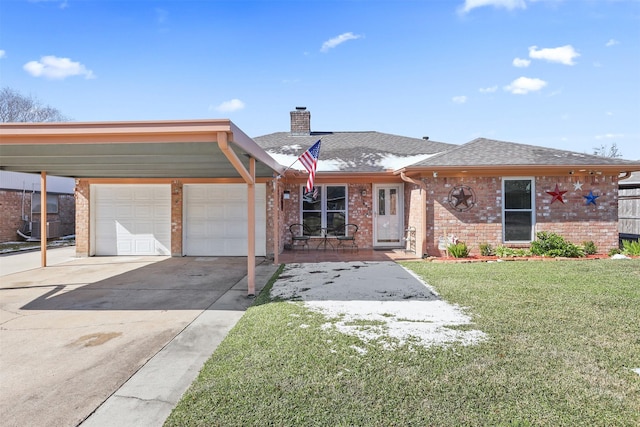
(388, 215)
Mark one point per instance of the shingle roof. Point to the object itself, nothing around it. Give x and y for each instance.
(489, 152)
(352, 151)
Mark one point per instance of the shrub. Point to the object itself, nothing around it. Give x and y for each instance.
(486, 249)
(614, 251)
(505, 252)
(458, 250)
(589, 248)
(554, 245)
(631, 247)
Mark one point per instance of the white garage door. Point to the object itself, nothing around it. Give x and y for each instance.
(132, 219)
(215, 220)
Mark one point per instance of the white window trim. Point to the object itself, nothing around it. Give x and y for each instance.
(533, 207)
(323, 195)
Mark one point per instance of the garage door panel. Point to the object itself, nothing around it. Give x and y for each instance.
(132, 219)
(236, 212)
(215, 220)
(216, 213)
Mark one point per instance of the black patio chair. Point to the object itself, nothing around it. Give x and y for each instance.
(299, 236)
(347, 237)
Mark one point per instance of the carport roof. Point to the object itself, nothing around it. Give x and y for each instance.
(141, 149)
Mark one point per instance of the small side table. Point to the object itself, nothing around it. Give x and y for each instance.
(325, 239)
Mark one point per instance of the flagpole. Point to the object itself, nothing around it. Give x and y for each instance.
(298, 158)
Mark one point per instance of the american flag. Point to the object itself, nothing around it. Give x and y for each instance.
(309, 160)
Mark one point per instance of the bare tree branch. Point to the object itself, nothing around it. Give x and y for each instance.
(17, 108)
(607, 151)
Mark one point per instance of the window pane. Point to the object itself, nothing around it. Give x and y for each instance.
(381, 199)
(52, 203)
(312, 222)
(335, 223)
(517, 194)
(336, 198)
(393, 201)
(517, 226)
(308, 204)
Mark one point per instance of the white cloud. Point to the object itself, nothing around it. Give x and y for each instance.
(63, 4)
(331, 43)
(563, 54)
(506, 4)
(521, 63)
(230, 106)
(459, 99)
(524, 85)
(612, 42)
(488, 89)
(609, 113)
(52, 67)
(3, 53)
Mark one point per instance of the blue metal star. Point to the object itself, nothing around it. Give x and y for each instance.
(591, 198)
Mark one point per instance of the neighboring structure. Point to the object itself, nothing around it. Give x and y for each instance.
(20, 206)
(485, 191)
(629, 207)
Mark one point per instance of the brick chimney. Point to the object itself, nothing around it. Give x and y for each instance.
(301, 121)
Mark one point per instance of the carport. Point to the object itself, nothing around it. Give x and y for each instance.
(150, 152)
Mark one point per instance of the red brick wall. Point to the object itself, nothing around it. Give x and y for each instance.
(11, 218)
(360, 209)
(573, 220)
(176, 217)
(11, 206)
(415, 213)
(82, 217)
(275, 201)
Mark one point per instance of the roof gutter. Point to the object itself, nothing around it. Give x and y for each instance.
(239, 138)
(625, 176)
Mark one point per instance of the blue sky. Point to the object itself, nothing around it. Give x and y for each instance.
(556, 73)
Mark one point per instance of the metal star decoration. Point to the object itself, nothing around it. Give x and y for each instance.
(591, 198)
(557, 195)
(462, 198)
(577, 186)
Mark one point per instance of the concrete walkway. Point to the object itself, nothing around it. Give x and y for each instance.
(30, 260)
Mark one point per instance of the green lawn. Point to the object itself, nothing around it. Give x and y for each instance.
(563, 339)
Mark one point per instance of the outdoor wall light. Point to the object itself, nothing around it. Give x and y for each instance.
(286, 195)
(363, 193)
(435, 174)
(570, 172)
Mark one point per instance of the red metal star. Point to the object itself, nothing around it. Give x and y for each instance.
(557, 194)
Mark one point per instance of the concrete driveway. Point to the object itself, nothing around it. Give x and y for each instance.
(73, 333)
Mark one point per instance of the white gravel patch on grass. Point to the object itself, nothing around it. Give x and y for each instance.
(376, 301)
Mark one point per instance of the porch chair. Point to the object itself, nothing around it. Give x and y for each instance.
(347, 237)
(299, 236)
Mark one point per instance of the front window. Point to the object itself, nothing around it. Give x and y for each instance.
(52, 203)
(518, 209)
(326, 211)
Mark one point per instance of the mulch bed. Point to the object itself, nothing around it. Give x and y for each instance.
(478, 258)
